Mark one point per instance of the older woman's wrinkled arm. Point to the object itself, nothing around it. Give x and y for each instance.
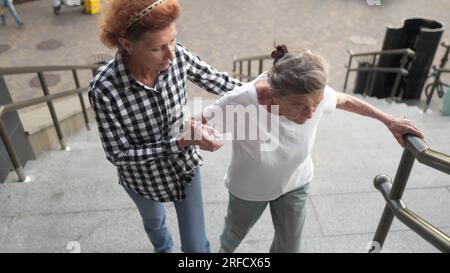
(398, 126)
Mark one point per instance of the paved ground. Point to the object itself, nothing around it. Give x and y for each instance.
(217, 30)
(84, 203)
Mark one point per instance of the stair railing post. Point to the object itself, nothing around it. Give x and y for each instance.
(398, 187)
(348, 70)
(249, 70)
(240, 70)
(80, 96)
(260, 70)
(51, 108)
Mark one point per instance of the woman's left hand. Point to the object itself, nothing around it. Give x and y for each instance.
(400, 126)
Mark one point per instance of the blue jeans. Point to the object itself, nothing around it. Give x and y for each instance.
(288, 216)
(10, 6)
(191, 223)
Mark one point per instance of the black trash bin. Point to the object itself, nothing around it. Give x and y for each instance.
(361, 78)
(420, 35)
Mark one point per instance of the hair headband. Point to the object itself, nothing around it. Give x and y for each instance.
(139, 15)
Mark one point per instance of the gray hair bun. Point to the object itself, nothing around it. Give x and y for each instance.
(278, 53)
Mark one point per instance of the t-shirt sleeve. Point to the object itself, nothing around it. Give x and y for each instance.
(221, 114)
(215, 114)
(330, 100)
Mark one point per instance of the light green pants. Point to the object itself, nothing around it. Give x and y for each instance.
(288, 216)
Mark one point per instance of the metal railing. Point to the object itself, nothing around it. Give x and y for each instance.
(372, 57)
(48, 98)
(415, 148)
(249, 61)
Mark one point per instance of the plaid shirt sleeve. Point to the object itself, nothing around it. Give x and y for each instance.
(206, 77)
(118, 149)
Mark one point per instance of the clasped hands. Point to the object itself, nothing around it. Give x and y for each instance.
(206, 137)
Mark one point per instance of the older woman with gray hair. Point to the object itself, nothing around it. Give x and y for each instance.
(295, 91)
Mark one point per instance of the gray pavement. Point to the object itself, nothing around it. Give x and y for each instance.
(217, 30)
(74, 196)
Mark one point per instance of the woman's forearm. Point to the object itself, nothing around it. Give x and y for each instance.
(358, 106)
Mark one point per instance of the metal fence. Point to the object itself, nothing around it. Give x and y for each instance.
(239, 69)
(46, 98)
(368, 63)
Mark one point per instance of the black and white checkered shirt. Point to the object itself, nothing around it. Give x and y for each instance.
(136, 123)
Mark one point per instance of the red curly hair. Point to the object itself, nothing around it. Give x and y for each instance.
(117, 13)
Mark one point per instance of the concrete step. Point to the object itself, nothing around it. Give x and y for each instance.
(75, 196)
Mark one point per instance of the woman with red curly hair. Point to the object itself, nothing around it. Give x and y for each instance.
(139, 99)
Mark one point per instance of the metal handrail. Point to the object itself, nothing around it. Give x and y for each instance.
(415, 148)
(401, 71)
(36, 69)
(400, 51)
(9, 107)
(253, 58)
(427, 156)
(238, 62)
(48, 98)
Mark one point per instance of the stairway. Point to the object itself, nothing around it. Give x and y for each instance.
(75, 196)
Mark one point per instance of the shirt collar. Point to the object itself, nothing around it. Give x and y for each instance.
(126, 77)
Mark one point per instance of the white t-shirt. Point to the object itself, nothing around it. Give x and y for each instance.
(262, 172)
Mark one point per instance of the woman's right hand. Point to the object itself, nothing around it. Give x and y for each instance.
(206, 137)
